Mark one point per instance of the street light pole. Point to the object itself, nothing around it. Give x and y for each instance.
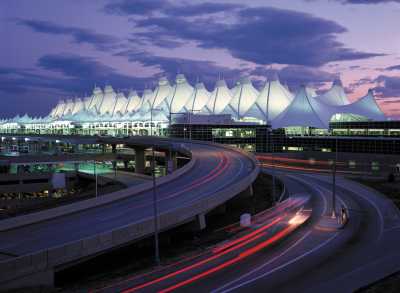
(95, 176)
(270, 139)
(155, 208)
(334, 180)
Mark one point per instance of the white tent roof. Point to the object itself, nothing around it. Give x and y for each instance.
(161, 93)
(87, 101)
(274, 98)
(311, 92)
(245, 96)
(220, 98)
(335, 96)
(147, 97)
(180, 94)
(365, 106)
(304, 111)
(69, 107)
(198, 99)
(97, 98)
(134, 102)
(78, 106)
(59, 109)
(120, 104)
(109, 99)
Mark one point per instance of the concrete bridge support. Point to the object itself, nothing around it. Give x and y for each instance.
(171, 161)
(199, 222)
(140, 160)
(248, 192)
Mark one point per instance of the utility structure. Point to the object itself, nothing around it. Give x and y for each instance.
(155, 208)
(334, 167)
(269, 136)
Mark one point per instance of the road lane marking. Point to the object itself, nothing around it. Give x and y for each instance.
(283, 265)
(360, 186)
(264, 264)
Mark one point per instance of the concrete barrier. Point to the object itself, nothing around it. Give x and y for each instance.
(92, 202)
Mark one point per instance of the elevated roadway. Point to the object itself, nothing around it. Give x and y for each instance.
(32, 247)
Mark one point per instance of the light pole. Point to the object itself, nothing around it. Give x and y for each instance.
(95, 176)
(334, 180)
(269, 137)
(190, 122)
(155, 209)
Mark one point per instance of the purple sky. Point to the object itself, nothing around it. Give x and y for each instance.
(53, 49)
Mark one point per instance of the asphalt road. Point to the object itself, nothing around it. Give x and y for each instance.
(215, 169)
(314, 260)
(311, 258)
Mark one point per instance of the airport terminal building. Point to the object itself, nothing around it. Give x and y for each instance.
(271, 118)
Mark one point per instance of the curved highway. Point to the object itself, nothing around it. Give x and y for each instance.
(216, 169)
(316, 257)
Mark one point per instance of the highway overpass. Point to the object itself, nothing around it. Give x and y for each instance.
(34, 246)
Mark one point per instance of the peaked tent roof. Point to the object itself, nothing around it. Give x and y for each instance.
(69, 107)
(198, 99)
(274, 98)
(87, 101)
(304, 111)
(78, 106)
(311, 92)
(180, 94)
(245, 96)
(134, 102)
(120, 104)
(365, 106)
(59, 109)
(220, 98)
(97, 98)
(335, 96)
(161, 93)
(108, 102)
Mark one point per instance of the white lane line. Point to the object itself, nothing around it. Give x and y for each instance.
(392, 228)
(283, 265)
(264, 264)
(317, 189)
(359, 186)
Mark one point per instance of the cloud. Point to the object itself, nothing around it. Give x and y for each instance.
(261, 35)
(206, 71)
(367, 1)
(296, 75)
(79, 35)
(135, 7)
(200, 9)
(388, 86)
(395, 67)
(37, 93)
(151, 7)
(87, 71)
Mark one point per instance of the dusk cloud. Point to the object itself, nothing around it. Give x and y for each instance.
(388, 86)
(206, 71)
(367, 1)
(79, 35)
(150, 7)
(395, 67)
(296, 75)
(262, 35)
(37, 93)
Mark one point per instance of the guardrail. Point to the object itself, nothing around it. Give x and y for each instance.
(48, 259)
